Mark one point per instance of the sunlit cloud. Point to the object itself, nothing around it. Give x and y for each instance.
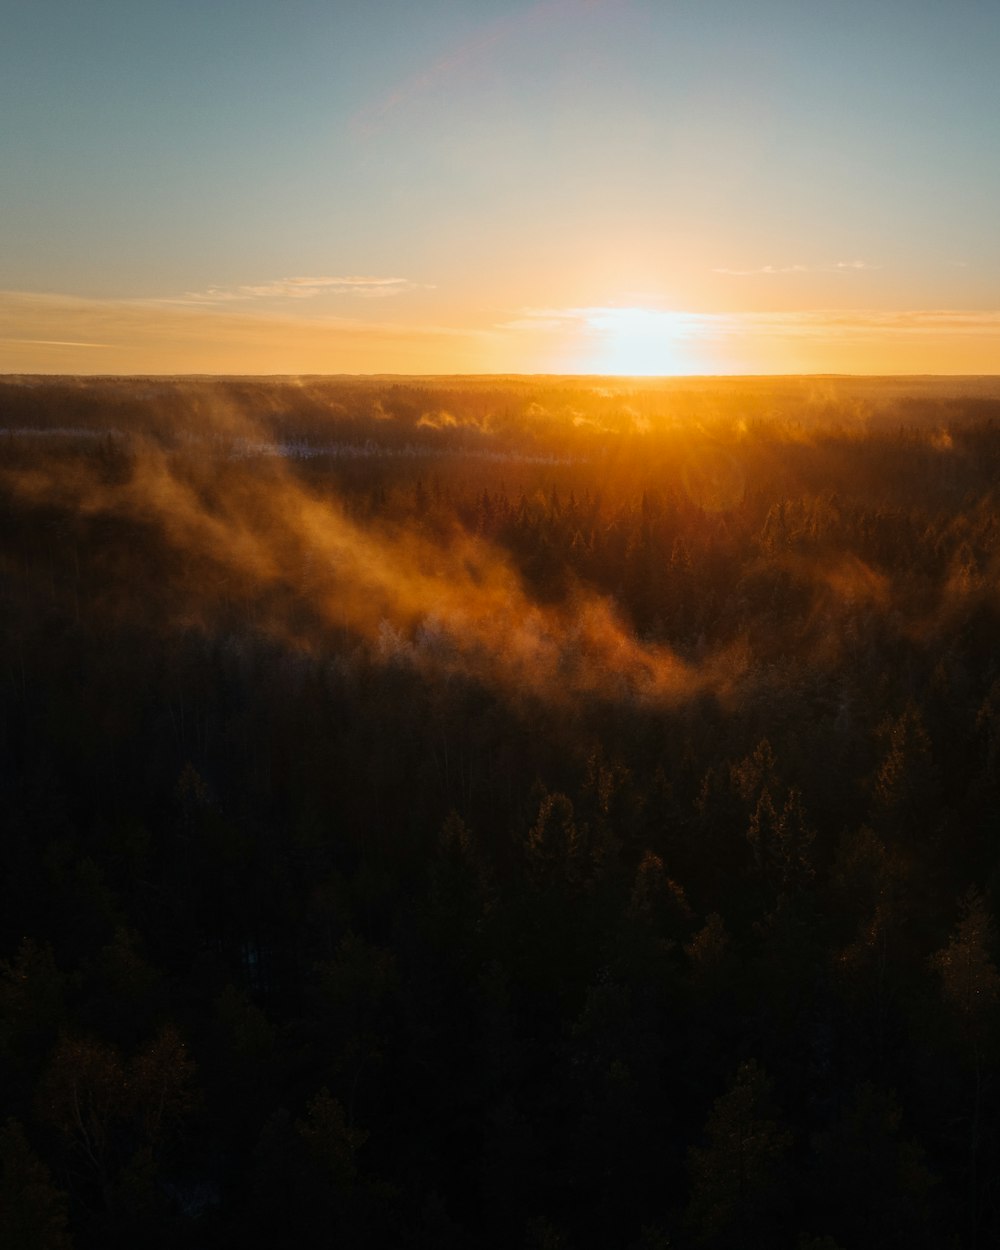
(55, 334)
(650, 341)
(601, 316)
(696, 324)
(300, 288)
(59, 333)
(840, 266)
(889, 321)
(767, 269)
(55, 343)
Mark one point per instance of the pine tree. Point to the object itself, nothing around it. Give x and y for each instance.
(737, 1178)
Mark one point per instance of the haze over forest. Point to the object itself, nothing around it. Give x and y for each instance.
(499, 811)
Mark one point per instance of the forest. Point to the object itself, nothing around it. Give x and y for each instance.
(499, 812)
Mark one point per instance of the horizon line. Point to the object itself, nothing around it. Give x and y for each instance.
(588, 376)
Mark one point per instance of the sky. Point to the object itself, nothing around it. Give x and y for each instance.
(558, 186)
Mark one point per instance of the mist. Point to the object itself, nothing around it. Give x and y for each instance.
(235, 486)
(410, 782)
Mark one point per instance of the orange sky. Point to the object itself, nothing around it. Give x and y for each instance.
(602, 186)
(62, 334)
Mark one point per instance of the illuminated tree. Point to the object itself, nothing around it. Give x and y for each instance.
(738, 1176)
(969, 978)
(781, 844)
(556, 846)
(906, 782)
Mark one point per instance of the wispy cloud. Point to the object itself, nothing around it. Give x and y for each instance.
(911, 321)
(822, 322)
(300, 288)
(55, 333)
(54, 343)
(615, 339)
(59, 334)
(600, 317)
(540, 319)
(746, 273)
(841, 266)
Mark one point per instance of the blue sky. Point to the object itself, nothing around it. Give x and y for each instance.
(496, 172)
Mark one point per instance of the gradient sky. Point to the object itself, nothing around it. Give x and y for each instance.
(563, 186)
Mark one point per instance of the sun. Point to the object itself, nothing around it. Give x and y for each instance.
(638, 342)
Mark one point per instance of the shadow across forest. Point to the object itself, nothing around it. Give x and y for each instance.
(499, 811)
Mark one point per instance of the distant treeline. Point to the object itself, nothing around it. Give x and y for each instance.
(445, 411)
(572, 822)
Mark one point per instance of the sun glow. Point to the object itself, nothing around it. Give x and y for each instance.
(638, 342)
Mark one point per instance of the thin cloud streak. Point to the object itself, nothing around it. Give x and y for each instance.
(821, 321)
(300, 288)
(156, 336)
(767, 269)
(634, 341)
(57, 334)
(841, 266)
(55, 343)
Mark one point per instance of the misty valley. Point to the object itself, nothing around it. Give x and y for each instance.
(499, 811)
